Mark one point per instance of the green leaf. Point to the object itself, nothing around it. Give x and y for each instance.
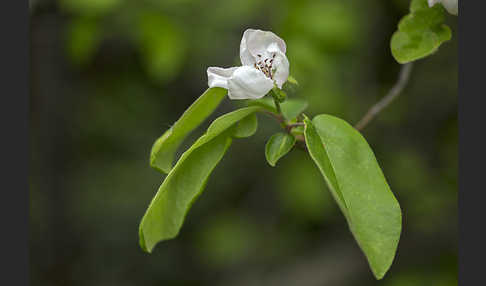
(299, 130)
(185, 182)
(293, 108)
(228, 120)
(277, 146)
(292, 80)
(246, 127)
(416, 5)
(420, 33)
(165, 214)
(164, 148)
(320, 157)
(266, 103)
(357, 183)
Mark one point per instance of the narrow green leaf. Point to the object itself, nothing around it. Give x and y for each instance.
(246, 127)
(165, 214)
(420, 33)
(277, 146)
(185, 182)
(164, 148)
(350, 168)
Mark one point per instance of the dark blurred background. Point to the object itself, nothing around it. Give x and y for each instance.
(110, 76)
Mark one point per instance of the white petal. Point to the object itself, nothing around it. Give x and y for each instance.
(281, 66)
(256, 42)
(450, 5)
(218, 77)
(246, 57)
(248, 83)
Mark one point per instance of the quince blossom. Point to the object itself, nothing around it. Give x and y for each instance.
(264, 65)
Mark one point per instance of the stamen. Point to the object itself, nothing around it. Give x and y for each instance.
(266, 66)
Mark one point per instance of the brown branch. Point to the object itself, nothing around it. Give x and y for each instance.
(288, 127)
(277, 117)
(402, 81)
(293, 125)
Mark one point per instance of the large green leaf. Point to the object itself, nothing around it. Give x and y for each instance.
(164, 148)
(277, 146)
(355, 179)
(185, 182)
(320, 157)
(420, 33)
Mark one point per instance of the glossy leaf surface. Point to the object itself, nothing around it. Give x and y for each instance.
(350, 168)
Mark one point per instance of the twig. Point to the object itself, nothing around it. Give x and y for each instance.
(278, 117)
(292, 125)
(402, 81)
(288, 127)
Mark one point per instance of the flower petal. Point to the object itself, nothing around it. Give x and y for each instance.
(218, 77)
(246, 57)
(248, 83)
(281, 67)
(256, 42)
(450, 5)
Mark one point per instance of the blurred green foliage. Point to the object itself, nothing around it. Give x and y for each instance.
(419, 33)
(109, 77)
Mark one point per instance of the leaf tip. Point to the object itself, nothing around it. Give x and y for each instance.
(267, 156)
(141, 240)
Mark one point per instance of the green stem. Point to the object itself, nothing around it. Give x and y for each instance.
(277, 105)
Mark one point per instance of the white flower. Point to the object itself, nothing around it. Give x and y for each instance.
(450, 5)
(262, 54)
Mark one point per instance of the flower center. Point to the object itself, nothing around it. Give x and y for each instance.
(265, 65)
